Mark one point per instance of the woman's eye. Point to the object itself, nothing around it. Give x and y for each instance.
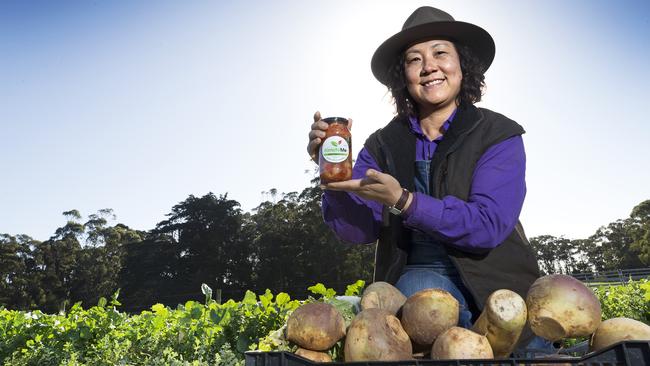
(413, 59)
(438, 53)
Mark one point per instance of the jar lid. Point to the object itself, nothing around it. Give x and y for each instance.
(331, 120)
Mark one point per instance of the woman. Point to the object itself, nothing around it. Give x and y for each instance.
(441, 186)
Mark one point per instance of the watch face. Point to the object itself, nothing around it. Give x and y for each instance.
(394, 211)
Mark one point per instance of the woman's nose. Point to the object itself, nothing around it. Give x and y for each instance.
(428, 66)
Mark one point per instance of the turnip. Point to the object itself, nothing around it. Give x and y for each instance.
(315, 356)
(315, 326)
(559, 306)
(502, 320)
(461, 343)
(616, 330)
(382, 295)
(376, 335)
(428, 313)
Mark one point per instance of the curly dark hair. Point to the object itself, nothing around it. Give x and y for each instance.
(470, 90)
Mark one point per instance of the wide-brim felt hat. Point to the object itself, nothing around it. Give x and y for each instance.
(428, 23)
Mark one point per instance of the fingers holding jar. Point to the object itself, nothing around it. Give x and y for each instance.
(317, 132)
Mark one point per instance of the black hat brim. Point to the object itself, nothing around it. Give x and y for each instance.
(475, 37)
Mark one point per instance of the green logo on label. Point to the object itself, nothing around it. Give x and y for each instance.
(335, 149)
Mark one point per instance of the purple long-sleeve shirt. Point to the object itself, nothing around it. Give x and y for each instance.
(483, 221)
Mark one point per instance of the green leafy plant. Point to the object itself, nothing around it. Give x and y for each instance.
(192, 334)
(631, 300)
(355, 289)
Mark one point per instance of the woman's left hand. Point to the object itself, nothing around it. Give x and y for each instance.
(375, 186)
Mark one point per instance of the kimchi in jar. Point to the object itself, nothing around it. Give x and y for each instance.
(335, 157)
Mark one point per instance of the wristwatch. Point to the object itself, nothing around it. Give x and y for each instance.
(397, 208)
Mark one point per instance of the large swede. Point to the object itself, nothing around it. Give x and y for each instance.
(461, 343)
(616, 330)
(382, 295)
(428, 313)
(376, 335)
(315, 326)
(559, 306)
(502, 320)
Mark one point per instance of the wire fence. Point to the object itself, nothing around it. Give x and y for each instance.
(618, 276)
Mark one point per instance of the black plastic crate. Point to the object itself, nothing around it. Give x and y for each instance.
(628, 353)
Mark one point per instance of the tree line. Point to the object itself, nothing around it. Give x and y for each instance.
(282, 245)
(622, 244)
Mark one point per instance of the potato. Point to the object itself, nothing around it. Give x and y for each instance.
(315, 356)
(502, 320)
(315, 326)
(376, 335)
(460, 343)
(382, 295)
(428, 313)
(616, 330)
(559, 306)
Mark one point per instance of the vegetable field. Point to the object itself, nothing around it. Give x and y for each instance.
(199, 333)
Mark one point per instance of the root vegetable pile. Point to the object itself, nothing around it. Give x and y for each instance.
(391, 327)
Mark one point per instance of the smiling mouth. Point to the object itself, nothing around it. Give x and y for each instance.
(433, 82)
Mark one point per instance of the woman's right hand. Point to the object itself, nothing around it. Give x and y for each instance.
(317, 133)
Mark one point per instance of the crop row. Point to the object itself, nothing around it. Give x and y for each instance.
(196, 333)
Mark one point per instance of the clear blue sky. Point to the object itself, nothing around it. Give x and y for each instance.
(135, 105)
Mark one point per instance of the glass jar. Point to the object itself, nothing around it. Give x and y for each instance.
(335, 156)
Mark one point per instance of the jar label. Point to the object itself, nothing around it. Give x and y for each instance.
(335, 149)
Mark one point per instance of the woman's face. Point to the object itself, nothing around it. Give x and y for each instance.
(433, 74)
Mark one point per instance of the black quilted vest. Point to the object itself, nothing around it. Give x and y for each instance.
(512, 264)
